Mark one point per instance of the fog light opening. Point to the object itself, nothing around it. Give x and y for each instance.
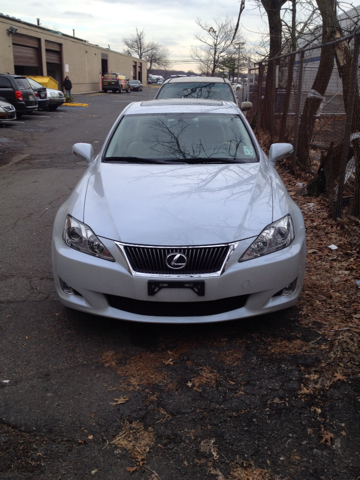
(289, 289)
(66, 288)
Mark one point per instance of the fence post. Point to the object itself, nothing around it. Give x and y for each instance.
(298, 106)
(353, 87)
(273, 101)
(260, 81)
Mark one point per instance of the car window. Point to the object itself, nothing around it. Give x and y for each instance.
(215, 91)
(22, 84)
(34, 84)
(110, 76)
(5, 83)
(182, 136)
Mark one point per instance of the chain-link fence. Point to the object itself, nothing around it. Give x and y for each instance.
(310, 98)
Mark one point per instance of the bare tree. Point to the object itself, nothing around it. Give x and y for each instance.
(216, 40)
(157, 56)
(136, 44)
(154, 54)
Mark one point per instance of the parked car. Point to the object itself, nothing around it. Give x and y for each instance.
(206, 231)
(40, 94)
(211, 88)
(16, 90)
(136, 85)
(55, 96)
(116, 82)
(7, 111)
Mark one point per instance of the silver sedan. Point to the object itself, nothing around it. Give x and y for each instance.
(181, 218)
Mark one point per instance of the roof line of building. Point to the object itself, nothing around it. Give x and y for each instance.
(40, 27)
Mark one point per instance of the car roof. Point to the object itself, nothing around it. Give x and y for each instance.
(178, 105)
(196, 80)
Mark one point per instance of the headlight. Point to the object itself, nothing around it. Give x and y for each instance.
(2, 110)
(79, 236)
(274, 237)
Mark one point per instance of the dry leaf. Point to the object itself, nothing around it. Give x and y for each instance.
(120, 400)
(132, 469)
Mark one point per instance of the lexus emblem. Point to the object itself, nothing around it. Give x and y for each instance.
(176, 261)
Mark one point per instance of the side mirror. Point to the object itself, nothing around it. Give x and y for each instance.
(278, 151)
(84, 151)
(246, 106)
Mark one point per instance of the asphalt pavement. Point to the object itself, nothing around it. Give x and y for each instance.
(84, 397)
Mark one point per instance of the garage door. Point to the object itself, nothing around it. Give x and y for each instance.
(53, 52)
(26, 50)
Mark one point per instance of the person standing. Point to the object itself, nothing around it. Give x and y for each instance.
(68, 86)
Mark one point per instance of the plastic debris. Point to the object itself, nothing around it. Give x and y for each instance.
(333, 247)
(8, 381)
(358, 283)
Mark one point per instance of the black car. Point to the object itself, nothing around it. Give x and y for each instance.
(40, 94)
(16, 90)
(136, 85)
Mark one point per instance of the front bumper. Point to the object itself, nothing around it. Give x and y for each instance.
(56, 101)
(244, 289)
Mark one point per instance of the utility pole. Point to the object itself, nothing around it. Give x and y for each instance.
(240, 44)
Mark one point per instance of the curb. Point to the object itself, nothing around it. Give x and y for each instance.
(75, 104)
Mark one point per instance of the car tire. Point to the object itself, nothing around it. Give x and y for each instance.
(128, 90)
(53, 107)
(114, 91)
(18, 115)
(104, 90)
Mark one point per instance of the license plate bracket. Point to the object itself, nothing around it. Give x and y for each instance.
(155, 286)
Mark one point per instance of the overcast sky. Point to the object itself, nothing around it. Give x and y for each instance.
(106, 22)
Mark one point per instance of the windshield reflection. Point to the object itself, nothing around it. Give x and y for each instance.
(192, 138)
(208, 90)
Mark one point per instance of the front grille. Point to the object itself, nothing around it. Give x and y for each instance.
(176, 309)
(199, 260)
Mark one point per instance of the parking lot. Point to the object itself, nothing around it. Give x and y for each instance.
(87, 397)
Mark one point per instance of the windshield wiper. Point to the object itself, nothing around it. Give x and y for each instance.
(202, 160)
(134, 160)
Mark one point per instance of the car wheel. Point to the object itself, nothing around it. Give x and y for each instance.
(128, 90)
(19, 115)
(120, 90)
(104, 90)
(53, 107)
(114, 91)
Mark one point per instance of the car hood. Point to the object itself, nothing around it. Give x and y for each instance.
(178, 204)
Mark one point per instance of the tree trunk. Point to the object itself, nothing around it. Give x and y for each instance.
(312, 105)
(273, 9)
(344, 60)
(290, 75)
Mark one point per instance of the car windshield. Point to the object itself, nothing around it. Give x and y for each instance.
(34, 84)
(181, 137)
(215, 91)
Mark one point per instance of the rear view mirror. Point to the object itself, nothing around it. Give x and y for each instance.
(84, 151)
(246, 106)
(278, 151)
